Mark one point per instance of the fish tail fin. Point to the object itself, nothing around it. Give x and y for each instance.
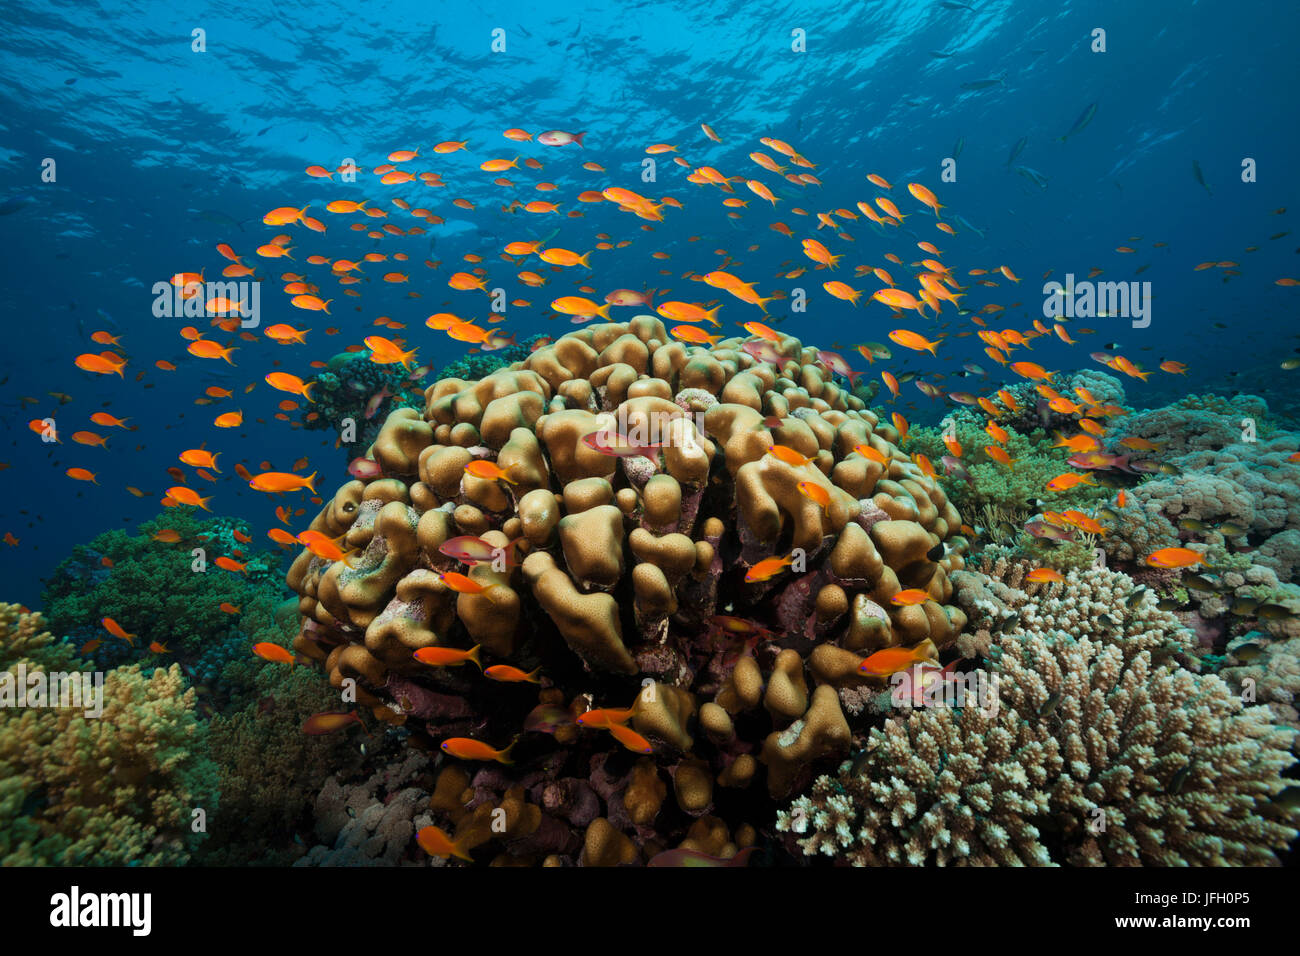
(458, 849)
(308, 482)
(578, 139)
(307, 388)
(504, 756)
(326, 308)
(532, 675)
(474, 656)
(582, 261)
(603, 310)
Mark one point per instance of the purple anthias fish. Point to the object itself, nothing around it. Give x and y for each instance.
(955, 469)
(930, 391)
(365, 468)
(618, 446)
(835, 362)
(1043, 529)
(1095, 460)
(763, 351)
(966, 398)
(377, 400)
(558, 137)
(912, 685)
(472, 550)
(547, 719)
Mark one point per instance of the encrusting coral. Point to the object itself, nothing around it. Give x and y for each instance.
(625, 563)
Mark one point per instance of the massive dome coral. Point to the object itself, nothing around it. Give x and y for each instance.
(640, 481)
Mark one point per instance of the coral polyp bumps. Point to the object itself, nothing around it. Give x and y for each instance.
(625, 562)
(704, 545)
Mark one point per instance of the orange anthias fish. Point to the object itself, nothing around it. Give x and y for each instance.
(1175, 558)
(448, 656)
(767, 569)
(387, 352)
(891, 660)
(1044, 574)
(116, 630)
(436, 842)
(512, 675)
(603, 717)
(630, 739)
(1070, 480)
(274, 653)
(910, 597)
(489, 471)
(328, 722)
(462, 584)
(188, 496)
(789, 456)
(467, 748)
(913, 340)
(282, 481)
(815, 493)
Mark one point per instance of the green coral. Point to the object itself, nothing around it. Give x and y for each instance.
(997, 486)
(117, 789)
(152, 590)
(471, 368)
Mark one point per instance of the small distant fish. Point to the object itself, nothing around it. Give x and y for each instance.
(1200, 176)
(328, 722)
(1084, 119)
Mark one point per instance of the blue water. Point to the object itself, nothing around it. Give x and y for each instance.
(147, 134)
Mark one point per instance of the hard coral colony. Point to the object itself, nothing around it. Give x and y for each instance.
(647, 550)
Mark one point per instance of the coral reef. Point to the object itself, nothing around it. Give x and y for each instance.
(1101, 604)
(353, 387)
(626, 563)
(1091, 756)
(149, 587)
(109, 789)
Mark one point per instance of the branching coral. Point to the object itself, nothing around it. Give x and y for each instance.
(1097, 603)
(110, 789)
(1091, 758)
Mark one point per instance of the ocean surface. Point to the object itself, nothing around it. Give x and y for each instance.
(128, 156)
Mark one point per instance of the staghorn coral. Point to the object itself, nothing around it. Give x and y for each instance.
(1097, 603)
(1091, 757)
(625, 562)
(108, 790)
